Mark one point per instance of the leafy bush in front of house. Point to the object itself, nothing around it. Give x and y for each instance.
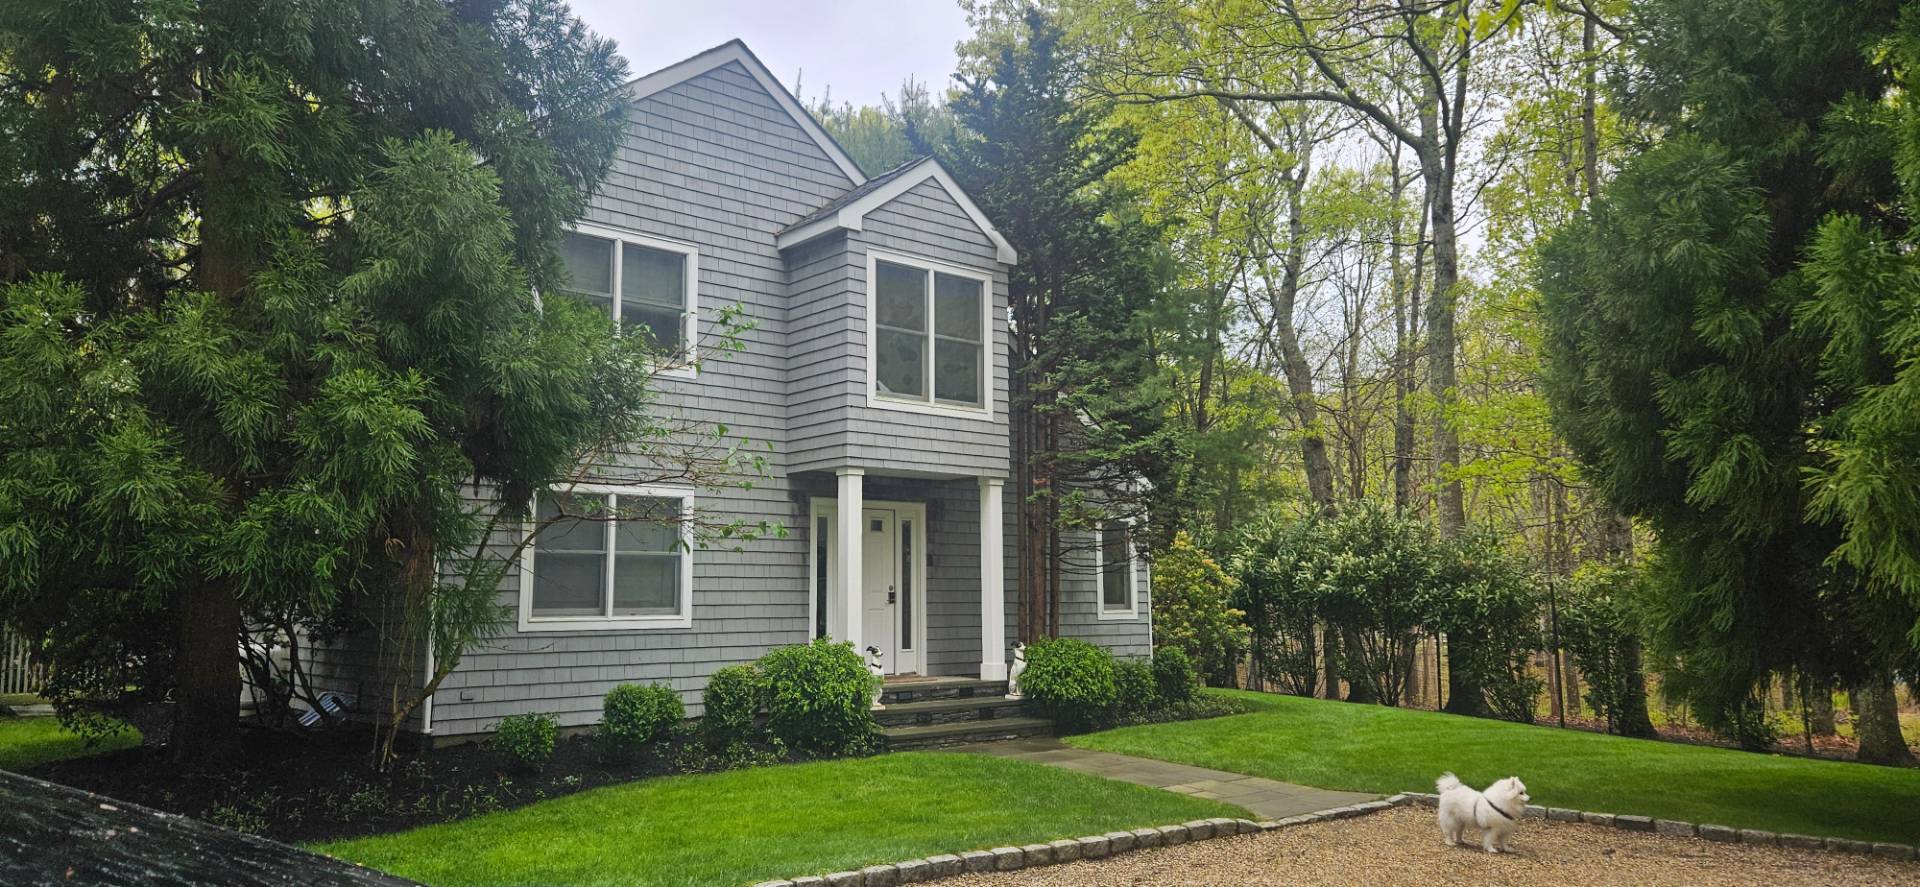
(1134, 687)
(525, 739)
(732, 703)
(633, 717)
(1174, 678)
(1193, 609)
(1071, 680)
(818, 697)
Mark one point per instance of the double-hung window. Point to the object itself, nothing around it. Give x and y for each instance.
(646, 285)
(608, 557)
(930, 335)
(1118, 592)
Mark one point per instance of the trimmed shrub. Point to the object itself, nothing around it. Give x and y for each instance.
(818, 697)
(1071, 680)
(526, 740)
(1134, 688)
(1174, 679)
(633, 717)
(732, 700)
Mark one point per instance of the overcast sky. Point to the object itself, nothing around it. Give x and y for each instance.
(859, 48)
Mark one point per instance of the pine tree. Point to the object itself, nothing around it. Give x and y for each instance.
(1721, 324)
(268, 302)
(1083, 423)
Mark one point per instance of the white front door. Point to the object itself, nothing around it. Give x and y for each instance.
(892, 591)
(881, 592)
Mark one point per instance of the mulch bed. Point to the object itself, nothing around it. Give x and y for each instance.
(304, 788)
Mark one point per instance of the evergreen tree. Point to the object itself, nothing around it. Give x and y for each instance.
(268, 303)
(1085, 419)
(1724, 346)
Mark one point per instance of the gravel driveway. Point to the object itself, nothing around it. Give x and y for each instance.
(1402, 846)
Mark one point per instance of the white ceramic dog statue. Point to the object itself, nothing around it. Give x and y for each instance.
(1014, 672)
(1495, 812)
(879, 669)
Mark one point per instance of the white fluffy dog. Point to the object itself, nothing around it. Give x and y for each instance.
(1495, 812)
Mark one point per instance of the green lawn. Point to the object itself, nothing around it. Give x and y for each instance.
(752, 825)
(25, 742)
(1369, 748)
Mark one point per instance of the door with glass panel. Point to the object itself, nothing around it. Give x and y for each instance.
(891, 595)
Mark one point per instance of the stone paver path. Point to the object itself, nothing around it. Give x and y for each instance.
(1267, 798)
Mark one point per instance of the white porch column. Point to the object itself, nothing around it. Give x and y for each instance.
(993, 586)
(851, 608)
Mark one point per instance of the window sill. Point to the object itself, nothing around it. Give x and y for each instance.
(602, 623)
(1107, 615)
(925, 408)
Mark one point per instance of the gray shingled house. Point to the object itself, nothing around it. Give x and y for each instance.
(877, 371)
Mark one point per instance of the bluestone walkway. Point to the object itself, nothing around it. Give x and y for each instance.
(1267, 798)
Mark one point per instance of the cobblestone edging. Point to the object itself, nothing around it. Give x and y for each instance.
(1007, 859)
(1721, 833)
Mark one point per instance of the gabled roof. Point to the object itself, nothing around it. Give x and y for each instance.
(736, 51)
(849, 210)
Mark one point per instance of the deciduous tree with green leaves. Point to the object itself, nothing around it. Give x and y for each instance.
(268, 300)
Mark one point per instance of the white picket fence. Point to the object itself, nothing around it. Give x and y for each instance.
(18, 672)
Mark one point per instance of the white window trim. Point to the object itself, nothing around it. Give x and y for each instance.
(1132, 610)
(689, 318)
(683, 619)
(989, 344)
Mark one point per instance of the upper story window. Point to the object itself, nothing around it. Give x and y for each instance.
(646, 284)
(608, 558)
(1118, 580)
(930, 331)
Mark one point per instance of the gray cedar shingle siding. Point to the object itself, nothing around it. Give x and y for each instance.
(714, 162)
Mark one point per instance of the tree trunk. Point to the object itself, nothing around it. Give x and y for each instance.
(1464, 694)
(1876, 723)
(1467, 696)
(1402, 351)
(1589, 130)
(1330, 662)
(1293, 361)
(1820, 710)
(1633, 719)
(1359, 680)
(206, 676)
(207, 670)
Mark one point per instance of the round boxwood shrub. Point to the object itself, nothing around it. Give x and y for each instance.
(1174, 676)
(525, 739)
(632, 716)
(817, 697)
(1135, 690)
(732, 700)
(1071, 680)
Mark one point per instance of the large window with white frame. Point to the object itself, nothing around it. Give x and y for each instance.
(608, 557)
(929, 335)
(646, 284)
(1118, 581)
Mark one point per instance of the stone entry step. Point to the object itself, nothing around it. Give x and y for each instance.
(949, 711)
(925, 689)
(963, 733)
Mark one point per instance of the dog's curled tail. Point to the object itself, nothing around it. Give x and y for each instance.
(1446, 783)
